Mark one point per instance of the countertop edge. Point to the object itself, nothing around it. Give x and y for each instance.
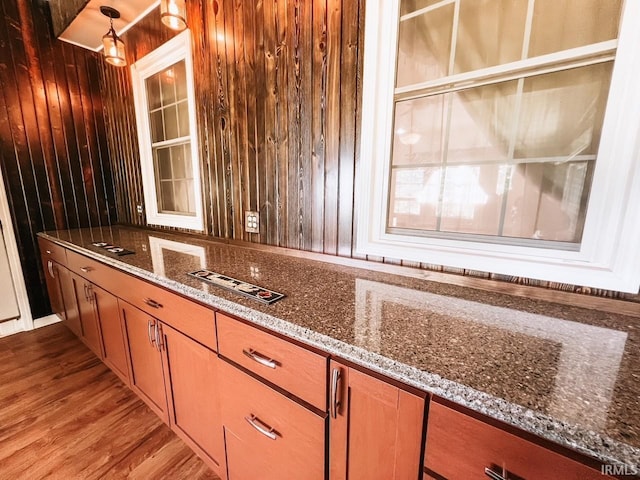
(590, 443)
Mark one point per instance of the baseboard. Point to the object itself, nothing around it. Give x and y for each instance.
(44, 321)
(11, 327)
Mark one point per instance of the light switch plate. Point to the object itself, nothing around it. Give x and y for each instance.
(251, 222)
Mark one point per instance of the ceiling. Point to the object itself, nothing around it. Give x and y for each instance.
(88, 27)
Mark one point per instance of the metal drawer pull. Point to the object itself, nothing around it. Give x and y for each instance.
(90, 293)
(335, 403)
(86, 269)
(262, 427)
(50, 267)
(256, 357)
(158, 336)
(86, 292)
(152, 303)
(149, 327)
(48, 252)
(492, 475)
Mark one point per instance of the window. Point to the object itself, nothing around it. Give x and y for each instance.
(505, 139)
(165, 111)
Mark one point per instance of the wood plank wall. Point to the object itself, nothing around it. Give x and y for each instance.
(278, 86)
(53, 148)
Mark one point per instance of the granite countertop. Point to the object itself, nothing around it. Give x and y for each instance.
(565, 373)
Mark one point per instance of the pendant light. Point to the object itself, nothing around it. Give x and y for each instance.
(174, 14)
(113, 47)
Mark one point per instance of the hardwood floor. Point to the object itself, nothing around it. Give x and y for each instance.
(65, 415)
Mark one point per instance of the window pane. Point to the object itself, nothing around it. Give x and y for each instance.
(424, 46)
(408, 6)
(414, 197)
(179, 162)
(181, 196)
(490, 32)
(163, 163)
(165, 197)
(180, 75)
(562, 113)
(482, 123)
(183, 118)
(418, 137)
(548, 201)
(192, 197)
(167, 86)
(562, 24)
(471, 200)
(170, 122)
(157, 131)
(188, 160)
(153, 92)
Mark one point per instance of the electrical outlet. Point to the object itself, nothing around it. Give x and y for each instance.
(139, 208)
(251, 222)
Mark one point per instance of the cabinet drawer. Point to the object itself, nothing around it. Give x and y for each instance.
(268, 435)
(52, 251)
(184, 315)
(293, 368)
(459, 446)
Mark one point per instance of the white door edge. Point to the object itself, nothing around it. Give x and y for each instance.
(26, 320)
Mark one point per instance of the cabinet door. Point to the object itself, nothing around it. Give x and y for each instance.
(113, 343)
(191, 376)
(145, 360)
(54, 289)
(90, 327)
(72, 314)
(268, 435)
(375, 428)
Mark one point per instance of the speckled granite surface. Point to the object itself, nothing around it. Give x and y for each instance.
(569, 374)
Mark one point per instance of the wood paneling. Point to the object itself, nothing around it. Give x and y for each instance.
(65, 415)
(52, 136)
(278, 104)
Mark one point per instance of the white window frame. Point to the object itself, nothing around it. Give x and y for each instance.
(609, 255)
(173, 51)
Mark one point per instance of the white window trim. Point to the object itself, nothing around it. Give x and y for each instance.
(609, 256)
(176, 49)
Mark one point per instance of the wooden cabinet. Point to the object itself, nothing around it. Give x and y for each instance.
(52, 278)
(459, 446)
(263, 413)
(375, 428)
(68, 290)
(88, 318)
(114, 346)
(145, 358)
(268, 436)
(295, 369)
(192, 381)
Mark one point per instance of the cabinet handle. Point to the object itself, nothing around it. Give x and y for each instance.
(256, 357)
(152, 303)
(492, 475)
(90, 293)
(48, 252)
(86, 294)
(158, 335)
(262, 427)
(50, 268)
(335, 403)
(150, 325)
(86, 269)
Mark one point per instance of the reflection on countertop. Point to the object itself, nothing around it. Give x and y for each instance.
(566, 373)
